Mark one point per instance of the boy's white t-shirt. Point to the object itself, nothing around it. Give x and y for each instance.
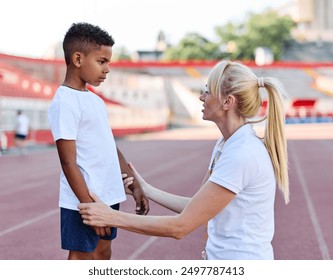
(245, 228)
(82, 116)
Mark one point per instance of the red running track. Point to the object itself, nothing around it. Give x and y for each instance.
(176, 161)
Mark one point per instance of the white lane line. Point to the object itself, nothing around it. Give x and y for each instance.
(313, 217)
(142, 248)
(29, 222)
(25, 186)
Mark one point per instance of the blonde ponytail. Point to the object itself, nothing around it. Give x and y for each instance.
(274, 136)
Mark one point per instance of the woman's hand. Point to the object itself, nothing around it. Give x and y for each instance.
(144, 185)
(127, 182)
(96, 214)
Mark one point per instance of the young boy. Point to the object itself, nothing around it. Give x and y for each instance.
(88, 154)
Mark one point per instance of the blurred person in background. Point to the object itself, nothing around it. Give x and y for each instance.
(3, 142)
(21, 132)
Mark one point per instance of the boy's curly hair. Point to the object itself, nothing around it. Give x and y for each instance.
(84, 37)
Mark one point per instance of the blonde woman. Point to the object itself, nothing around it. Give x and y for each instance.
(238, 193)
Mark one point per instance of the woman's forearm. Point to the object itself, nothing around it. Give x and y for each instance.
(163, 226)
(206, 204)
(170, 201)
(173, 202)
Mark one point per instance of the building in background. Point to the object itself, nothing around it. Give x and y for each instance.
(155, 54)
(313, 32)
(313, 18)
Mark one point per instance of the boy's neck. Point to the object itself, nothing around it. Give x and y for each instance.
(76, 88)
(73, 81)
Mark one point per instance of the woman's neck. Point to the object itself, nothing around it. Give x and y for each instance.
(229, 128)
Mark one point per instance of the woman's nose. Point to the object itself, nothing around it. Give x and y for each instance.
(202, 96)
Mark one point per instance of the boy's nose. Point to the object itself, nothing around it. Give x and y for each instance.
(107, 69)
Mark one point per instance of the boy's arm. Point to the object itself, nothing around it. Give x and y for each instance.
(142, 202)
(67, 155)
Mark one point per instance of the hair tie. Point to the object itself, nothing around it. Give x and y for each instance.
(261, 82)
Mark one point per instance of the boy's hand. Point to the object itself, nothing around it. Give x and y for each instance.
(134, 187)
(102, 231)
(142, 202)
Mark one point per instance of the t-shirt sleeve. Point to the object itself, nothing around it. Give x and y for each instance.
(64, 120)
(234, 170)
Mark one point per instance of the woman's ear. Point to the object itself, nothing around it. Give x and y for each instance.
(228, 102)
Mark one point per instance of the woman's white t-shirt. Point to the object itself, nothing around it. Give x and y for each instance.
(82, 116)
(245, 228)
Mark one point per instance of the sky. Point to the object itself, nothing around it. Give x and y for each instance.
(30, 27)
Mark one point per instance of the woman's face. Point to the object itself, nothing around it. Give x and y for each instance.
(212, 110)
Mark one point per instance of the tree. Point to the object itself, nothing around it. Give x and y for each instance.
(193, 47)
(121, 53)
(267, 29)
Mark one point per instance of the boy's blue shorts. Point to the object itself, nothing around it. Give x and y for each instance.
(76, 236)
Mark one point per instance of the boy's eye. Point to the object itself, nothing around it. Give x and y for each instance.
(102, 61)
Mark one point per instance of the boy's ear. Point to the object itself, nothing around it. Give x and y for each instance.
(77, 59)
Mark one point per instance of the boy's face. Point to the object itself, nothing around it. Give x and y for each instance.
(95, 66)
